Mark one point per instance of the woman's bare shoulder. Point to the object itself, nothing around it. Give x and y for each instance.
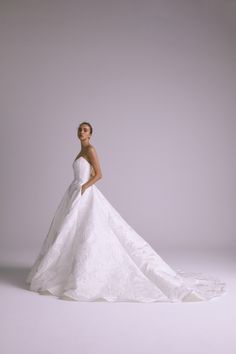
(92, 152)
(91, 148)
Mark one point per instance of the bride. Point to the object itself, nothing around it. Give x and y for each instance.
(92, 254)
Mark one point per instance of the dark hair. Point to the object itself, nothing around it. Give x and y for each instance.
(90, 126)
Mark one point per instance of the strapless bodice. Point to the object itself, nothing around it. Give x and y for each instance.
(82, 170)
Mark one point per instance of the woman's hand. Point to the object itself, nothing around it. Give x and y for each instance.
(83, 188)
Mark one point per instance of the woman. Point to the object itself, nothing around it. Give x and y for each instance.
(91, 253)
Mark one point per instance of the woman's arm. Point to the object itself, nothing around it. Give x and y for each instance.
(93, 159)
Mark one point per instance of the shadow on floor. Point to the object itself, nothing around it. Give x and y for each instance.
(14, 275)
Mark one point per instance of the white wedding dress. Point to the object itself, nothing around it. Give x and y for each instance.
(92, 254)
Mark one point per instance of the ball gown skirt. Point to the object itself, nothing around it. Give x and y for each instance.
(92, 254)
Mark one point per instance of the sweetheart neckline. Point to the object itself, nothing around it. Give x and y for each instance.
(84, 159)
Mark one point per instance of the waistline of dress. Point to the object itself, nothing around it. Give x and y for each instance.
(79, 181)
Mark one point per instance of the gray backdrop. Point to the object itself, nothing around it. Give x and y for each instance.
(156, 79)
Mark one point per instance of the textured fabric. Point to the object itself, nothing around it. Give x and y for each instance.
(92, 253)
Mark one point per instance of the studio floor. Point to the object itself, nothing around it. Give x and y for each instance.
(44, 324)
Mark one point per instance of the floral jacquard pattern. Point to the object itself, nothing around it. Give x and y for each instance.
(91, 253)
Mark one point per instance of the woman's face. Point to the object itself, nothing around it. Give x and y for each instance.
(84, 132)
